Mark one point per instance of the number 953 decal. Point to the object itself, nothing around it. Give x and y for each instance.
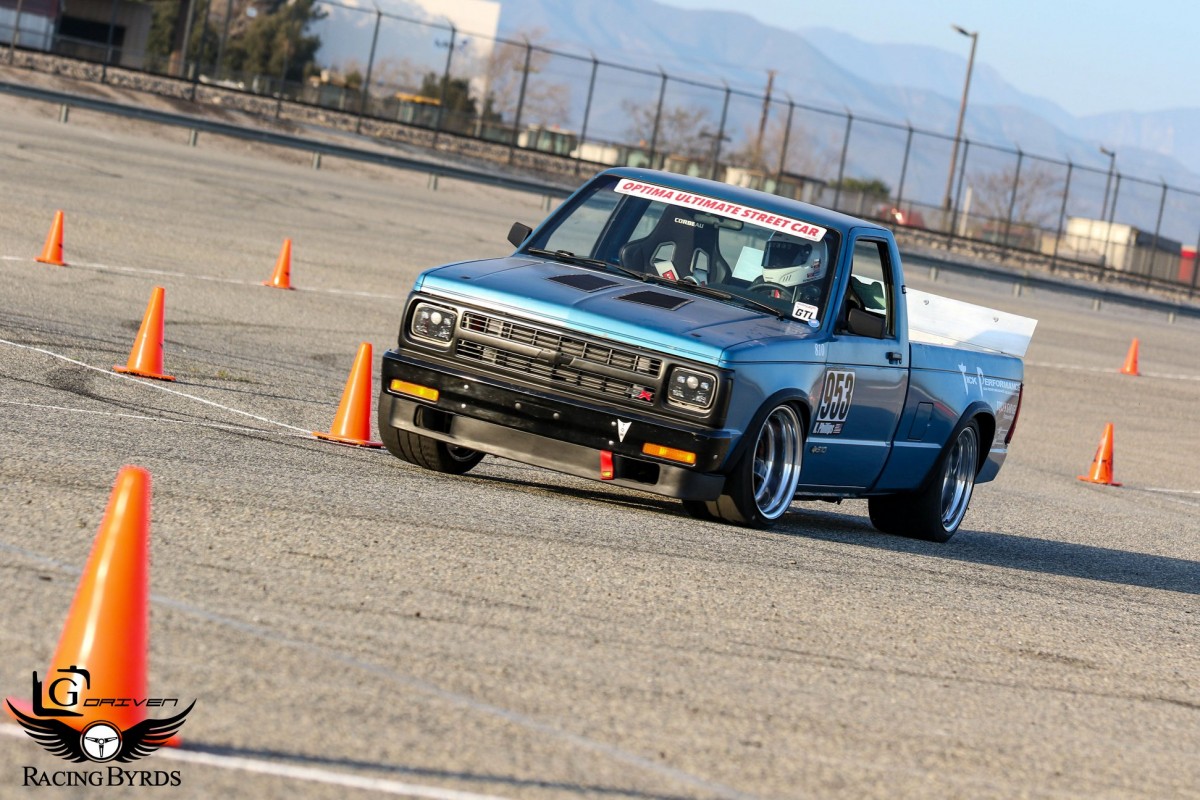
(836, 397)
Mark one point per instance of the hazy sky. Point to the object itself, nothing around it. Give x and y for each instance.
(1089, 57)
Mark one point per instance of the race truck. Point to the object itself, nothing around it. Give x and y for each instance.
(733, 349)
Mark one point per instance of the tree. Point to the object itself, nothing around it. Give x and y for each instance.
(459, 107)
(276, 39)
(873, 187)
(682, 130)
(545, 103)
(1038, 195)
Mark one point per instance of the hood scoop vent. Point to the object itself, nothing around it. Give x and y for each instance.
(656, 300)
(584, 283)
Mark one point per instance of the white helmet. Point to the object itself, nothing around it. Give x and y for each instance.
(791, 262)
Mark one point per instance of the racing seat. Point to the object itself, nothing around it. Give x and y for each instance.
(690, 247)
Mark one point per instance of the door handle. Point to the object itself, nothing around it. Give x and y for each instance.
(894, 358)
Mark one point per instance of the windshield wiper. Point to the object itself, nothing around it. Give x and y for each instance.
(567, 257)
(718, 294)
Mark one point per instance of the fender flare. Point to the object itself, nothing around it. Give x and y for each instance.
(795, 396)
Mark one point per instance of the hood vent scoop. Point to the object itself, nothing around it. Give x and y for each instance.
(656, 299)
(584, 283)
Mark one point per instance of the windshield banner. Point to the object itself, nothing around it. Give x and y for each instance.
(722, 208)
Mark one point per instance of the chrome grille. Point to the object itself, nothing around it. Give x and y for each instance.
(559, 343)
(638, 384)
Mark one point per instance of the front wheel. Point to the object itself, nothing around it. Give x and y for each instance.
(761, 487)
(428, 453)
(935, 512)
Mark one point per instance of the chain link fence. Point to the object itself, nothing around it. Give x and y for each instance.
(464, 90)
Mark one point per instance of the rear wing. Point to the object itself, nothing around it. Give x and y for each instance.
(933, 319)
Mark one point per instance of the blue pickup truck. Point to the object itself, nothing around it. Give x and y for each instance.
(733, 349)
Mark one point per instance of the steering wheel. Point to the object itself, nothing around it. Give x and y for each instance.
(776, 290)
(807, 293)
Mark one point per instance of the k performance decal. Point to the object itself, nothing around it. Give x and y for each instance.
(836, 398)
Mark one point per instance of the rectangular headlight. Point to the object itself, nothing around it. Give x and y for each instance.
(691, 389)
(433, 323)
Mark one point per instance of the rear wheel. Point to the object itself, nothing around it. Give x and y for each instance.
(935, 512)
(761, 487)
(428, 453)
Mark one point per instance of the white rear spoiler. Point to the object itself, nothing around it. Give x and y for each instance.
(933, 319)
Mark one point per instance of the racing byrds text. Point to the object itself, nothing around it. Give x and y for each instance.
(113, 776)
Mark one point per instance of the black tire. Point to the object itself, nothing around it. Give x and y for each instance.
(428, 453)
(935, 512)
(698, 509)
(762, 484)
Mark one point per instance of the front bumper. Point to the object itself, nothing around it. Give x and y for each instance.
(566, 435)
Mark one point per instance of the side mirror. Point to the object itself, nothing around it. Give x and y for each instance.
(518, 233)
(864, 323)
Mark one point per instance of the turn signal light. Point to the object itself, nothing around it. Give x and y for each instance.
(669, 453)
(414, 389)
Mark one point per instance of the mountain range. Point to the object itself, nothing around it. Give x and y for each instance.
(899, 84)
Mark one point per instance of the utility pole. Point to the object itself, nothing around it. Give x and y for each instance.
(762, 122)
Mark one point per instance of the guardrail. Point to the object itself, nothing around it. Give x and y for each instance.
(434, 169)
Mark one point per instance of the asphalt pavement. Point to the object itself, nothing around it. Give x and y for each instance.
(350, 625)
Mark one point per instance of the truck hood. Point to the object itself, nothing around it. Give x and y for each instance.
(615, 306)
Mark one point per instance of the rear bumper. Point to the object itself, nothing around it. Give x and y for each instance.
(557, 433)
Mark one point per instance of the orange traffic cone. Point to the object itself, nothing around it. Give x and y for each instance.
(146, 359)
(1102, 464)
(102, 651)
(282, 278)
(52, 253)
(1131, 360)
(352, 423)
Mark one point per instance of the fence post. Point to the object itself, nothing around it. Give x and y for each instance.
(1012, 200)
(224, 36)
(366, 87)
(512, 145)
(837, 194)
(1112, 213)
(1162, 204)
(187, 36)
(587, 112)
(112, 24)
(1062, 215)
(962, 175)
(287, 57)
(16, 32)
(662, 96)
(441, 113)
(196, 67)
(716, 156)
(904, 166)
(1195, 270)
(787, 135)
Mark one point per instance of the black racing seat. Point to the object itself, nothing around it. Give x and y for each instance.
(690, 245)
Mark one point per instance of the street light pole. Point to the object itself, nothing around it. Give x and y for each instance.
(962, 111)
(1112, 163)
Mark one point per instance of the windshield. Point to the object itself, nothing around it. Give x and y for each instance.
(749, 255)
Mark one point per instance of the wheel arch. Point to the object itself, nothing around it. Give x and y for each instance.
(797, 398)
(981, 413)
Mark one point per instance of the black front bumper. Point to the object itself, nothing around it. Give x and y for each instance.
(567, 435)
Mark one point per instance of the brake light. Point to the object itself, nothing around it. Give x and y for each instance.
(1016, 414)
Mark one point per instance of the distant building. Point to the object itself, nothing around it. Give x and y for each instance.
(96, 30)
(1122, 247)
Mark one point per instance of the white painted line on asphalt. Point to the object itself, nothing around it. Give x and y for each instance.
(160, 387)
(310, 774)
(1175, 491)
(168, 420)
(212, 278)
(1113, 371)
